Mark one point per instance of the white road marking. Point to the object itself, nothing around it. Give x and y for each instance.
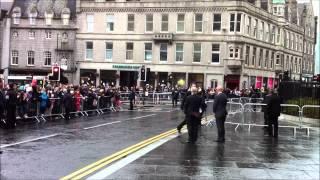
(30, 140)
(140, 117)
(130, 158)
(100, 125)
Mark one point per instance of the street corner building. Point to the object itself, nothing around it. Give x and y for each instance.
(38, 34)
(233, 43)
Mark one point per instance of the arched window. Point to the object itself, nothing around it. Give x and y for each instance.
(32, 16)
(48, 16)
(65, 16)
(16, 14)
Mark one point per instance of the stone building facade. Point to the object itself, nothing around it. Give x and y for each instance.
(230, 43)
(42, 34)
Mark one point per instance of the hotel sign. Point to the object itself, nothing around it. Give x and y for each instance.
(126, 67)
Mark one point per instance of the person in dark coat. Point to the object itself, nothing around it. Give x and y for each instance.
(266, 97)
(2, 101)
(132, 96)
(220, 112)
(67, 103)
(184, 122)
(11, 104)
(175, 96)
(192, 109)
(273, 110)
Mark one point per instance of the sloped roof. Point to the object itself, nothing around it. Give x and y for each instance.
(57, 6)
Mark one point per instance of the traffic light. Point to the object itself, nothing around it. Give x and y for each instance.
(55, 74)
(143, 74)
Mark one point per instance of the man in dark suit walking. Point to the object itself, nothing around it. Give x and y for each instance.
(184, 122)
(273, 110)
(192, 109)
(220, 112)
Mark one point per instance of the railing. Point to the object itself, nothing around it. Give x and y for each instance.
(148, 98)
(82, 106)
(248, 114)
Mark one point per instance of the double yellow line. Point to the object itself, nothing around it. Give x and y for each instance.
(81, 173)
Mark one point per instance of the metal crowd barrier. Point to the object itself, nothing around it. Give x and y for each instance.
(252, 114)
(312, 109)
(31, 110)
(150, 98)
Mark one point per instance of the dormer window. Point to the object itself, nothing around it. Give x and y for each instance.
(32, 16)
(16, 15)
(48, 16)
(65, 16)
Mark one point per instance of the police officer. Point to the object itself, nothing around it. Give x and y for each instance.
(11, 104)
(193, 109)
(175, 96)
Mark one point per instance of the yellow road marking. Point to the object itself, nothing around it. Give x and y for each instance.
(118, 155)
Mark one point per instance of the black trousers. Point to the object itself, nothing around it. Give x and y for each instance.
(273, 130)
(184, 122)
(193, 127)
(131, 105)
(174, 102)
(220, 127)
(67, 115)
(11, 116)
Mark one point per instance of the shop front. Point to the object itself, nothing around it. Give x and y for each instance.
(196, 78)
(232, 81)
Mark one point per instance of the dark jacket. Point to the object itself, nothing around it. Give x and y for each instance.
(192, 105)
(274, 106)
(67, 101)
(132, 95)
(219, 106)
(186, 94)
(265, 101)
(2, 100)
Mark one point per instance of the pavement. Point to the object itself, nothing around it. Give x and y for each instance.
(56, 148)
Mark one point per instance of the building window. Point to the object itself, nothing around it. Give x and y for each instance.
(267, 38)
(163, 52)
(273, 34)
(130, 22)
(149, 23)
(216, 22)
(30, 58)
(48, 15)
(288, 39)
(261, 31)
(198, 22)
(32, 20)
(300, 43)
(148, 51)
(47, 58)
(278, 35)
(89, 50)
(179, 52)
(16, 20)
(254, 54)
(109, 51)
(110, 23)
(260, 57)
(129, 51)
(180, 23)
(255, 34)
(249, 26)
(266, 59)
(296, 65)
(90, 22)
(165, 22)
(278, 60)
(197, 52)
(247, 55)
(48, 35)
(14, 57)
(232, 22)
(215, 58)
(293, 41)
(238, 22)
(297, 43)
(231, 52)
(234, 52)
(32, 34)
(15, 34)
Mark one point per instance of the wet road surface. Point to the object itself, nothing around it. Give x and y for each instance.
(72, 146)
(57, 148)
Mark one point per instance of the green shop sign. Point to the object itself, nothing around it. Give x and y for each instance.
(126, 67)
